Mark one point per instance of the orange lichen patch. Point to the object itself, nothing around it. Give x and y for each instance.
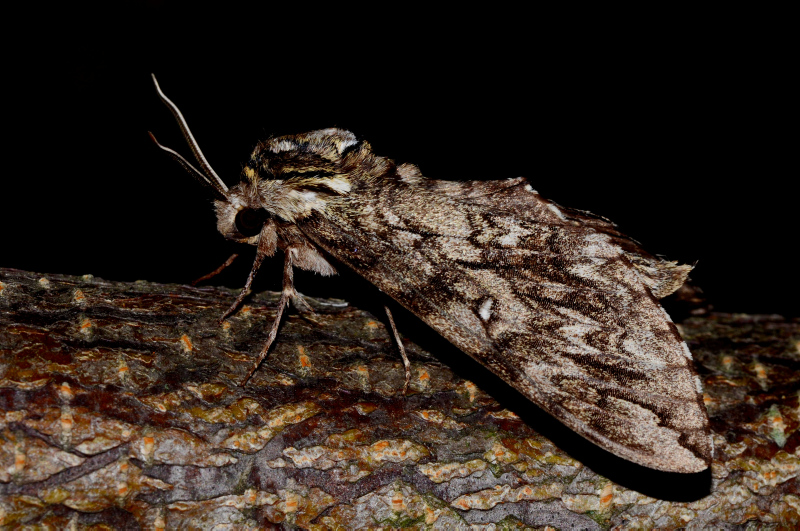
(486, 499)
(291, 503)
(20, 459)
(105, 488)
(471, 389)
(2, 287)
(246, 311)
(302, 357)
(727, 363)
(437, 417)
(540, 450)
(503, 414)
(27, 459)
(177, 447)
(299, 505)
(276, 420)
(606, 496)
(398, 503)
(186, 343)
(160, 521)
(78, 297)
(365, 408)
(86, 326)
(66, 422)
(500, 454)
(441, 472)
(759, 370)
(373, 325)
(396, 451)
(423, 375)
(430, 415)
(380, 445)
(146, 449)
(45, 283)
(65, 392)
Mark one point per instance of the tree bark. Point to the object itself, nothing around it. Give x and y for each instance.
(120, 404)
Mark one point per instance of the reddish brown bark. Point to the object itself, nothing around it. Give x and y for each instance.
(119, 404)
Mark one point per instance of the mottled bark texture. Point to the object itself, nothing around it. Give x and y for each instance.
(119, 404)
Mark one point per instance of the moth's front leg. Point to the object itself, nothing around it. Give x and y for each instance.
(286, 295)
(267, 243)
(217, 271)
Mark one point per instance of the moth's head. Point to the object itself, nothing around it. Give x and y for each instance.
(240, 216)
(287, 178)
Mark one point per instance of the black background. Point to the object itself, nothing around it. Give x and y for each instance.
(674, 131)
(674, 125)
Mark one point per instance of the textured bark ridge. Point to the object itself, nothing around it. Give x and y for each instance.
(119, 405)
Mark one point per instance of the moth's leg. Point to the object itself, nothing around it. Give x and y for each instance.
(299, 302)
(406, 363)
(286, 294)
(265, 248)
(217, 271)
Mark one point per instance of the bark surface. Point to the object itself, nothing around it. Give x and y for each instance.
(120, 405)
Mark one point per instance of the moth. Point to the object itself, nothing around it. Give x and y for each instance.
(557, 302)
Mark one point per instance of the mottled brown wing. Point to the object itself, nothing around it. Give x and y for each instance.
(556, 302)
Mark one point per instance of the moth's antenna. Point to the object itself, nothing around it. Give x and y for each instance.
(213, 178)
(194, 172)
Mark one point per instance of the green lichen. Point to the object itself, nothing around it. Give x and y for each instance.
(602, 518)
(402, 521)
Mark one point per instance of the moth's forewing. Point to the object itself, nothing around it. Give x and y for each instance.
(557, 303)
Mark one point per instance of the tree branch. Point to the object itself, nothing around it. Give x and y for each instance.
(119, 404)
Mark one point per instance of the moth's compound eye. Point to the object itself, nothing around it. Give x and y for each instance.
(249, 221)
